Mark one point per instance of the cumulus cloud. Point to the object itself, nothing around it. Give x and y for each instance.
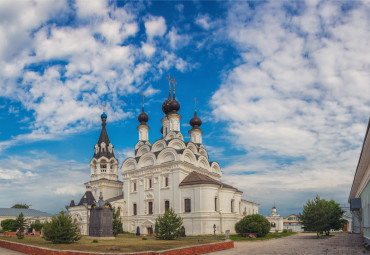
(177, 40)
(155, 26)
(204, 21)
(148, 49)
(62, 74)
(298, 98)
(43, 177)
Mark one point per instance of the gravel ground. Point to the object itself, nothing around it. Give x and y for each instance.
(345, 244)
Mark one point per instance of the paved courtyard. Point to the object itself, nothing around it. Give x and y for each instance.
(345, 244)
(301, 244)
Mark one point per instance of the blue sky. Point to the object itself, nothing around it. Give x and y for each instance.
(283, 90)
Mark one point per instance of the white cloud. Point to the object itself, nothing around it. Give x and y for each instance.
(74, 68)
(150, 91)
(88, 9)
(148, 49)
(155, 26)
(123, 154)
(177, 40)
(204, 21)
(299, 97)
(47, 181)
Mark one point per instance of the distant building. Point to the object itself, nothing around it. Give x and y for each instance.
(31, 215)
(292, 223)
(168, 173)
(359, 197)
(275, 220)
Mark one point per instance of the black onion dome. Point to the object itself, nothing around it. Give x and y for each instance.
(166, 104)
(195, 121)
(174, 106)
(143, 118)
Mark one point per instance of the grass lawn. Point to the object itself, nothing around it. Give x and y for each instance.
(126, 243)
(267, 237)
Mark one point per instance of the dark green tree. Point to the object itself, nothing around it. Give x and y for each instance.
(20, 206)
(21, 223)
(253, 224)
(117, 223)
(320, 215)
(335, 214)
(9, 225)
(37, 226)
(168, 226)
(61, 229)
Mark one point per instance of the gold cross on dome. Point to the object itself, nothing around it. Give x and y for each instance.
(196, 102)
(143, 95)
(174, 84)
(169, 81)
(103, 106)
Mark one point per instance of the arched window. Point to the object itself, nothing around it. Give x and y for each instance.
(166, 205)
(103, 166)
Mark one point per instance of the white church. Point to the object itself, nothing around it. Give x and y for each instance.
(170, 173)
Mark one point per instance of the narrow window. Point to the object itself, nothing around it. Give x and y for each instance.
(232, 205)
(150, 206)
(103, 166)
(135, 209)
(166, 181)
(134, 186)
(166, 205)
(187, 205)
(216, 204)
(150, 183)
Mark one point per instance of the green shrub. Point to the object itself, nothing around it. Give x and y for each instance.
(37, 226)
(144, 238)
(285, 230)
(117, 223)
(253, 224)
(168, 226)
(95, 241)
(9, 225)
(61, 229)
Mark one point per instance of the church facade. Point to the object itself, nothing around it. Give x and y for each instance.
(170, 173)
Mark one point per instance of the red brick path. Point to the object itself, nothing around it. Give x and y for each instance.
(201, 249)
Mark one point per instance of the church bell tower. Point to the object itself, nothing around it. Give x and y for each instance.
(104, 166)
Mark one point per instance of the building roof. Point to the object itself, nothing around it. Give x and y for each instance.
(115, 198)
(195, 178)
(26, 212)
(104, 138)
(87, 198)
(362, 165)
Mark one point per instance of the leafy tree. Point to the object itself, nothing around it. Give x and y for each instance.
(168, 226)
(20, 206)
(37, 226)
(9, 225)
(335, 213)
(21, 222)
(117, 223)
(320, 215)
(61, 229)
(253, 224)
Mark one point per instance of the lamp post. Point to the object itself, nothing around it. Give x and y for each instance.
(214, 229)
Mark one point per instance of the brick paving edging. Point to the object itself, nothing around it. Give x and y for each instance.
(190, 250)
